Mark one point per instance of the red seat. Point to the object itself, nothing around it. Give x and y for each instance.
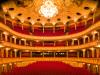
(48, 68)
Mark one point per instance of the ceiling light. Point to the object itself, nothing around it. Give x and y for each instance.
(37, 40)
(75, 39)
(71, 50)
(5, 33)
(5, 9)
(92, 48)
(60, 40)
(85, 36)
(26, 50)
(85, 16)
(15, 50)
(96, 66)
(12, 17)
(98, 46)
(48, 9)
(75, 20)
(94, 32)
(3, 65)
(23, 39)
(10, 64)
(7, 49)
(13, 36)
(1, 46)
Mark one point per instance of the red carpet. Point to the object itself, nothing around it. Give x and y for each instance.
(48, 68)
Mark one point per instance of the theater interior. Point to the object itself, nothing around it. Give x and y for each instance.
(49, 37)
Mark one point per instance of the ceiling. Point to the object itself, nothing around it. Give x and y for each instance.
(28, 10)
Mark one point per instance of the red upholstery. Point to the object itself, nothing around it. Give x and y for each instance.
(60, 43)
(90, 22)
(48, 68)
(25, 54)
(37, 44)
(80, 27)
(38, 32)
(24, 30)
(49, 43)
(49, 31)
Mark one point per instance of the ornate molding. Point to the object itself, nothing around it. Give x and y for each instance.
(14, 46)
(65, 37)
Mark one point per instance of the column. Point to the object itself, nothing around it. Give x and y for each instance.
(88, 39)
(14, 40)
(97, 52)
(83, 52)
(43, 54)
(1, 36)
(6, 37)
(31, 54)
(15, 52)
(4, 19)
(64, 28)
(78, 54)
(30, 43)
(54, 29)
(43, 43)
(24, 42)
(66, 43)
(78, 42)
(85, 22)
(2, 53)
(94, 15)
(93, 52)
(43, 28)
(75, 25)
(88, 66)
(72, 42)
(7, 53)
(20, 42)
(93, 37)
(54, 43)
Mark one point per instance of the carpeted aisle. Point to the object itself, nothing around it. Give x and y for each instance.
(48, 68)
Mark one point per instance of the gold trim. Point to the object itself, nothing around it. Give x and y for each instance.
(65, 37)
(79, 60)
(7, 44)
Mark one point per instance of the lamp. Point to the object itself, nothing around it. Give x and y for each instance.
(98, 44)
(48, 9)
(1, 46)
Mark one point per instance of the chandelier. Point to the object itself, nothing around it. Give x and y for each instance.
(48, 9)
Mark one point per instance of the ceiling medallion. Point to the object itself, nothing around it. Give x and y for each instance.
(48, 9)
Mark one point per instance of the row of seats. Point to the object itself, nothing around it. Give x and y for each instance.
(48, 68)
